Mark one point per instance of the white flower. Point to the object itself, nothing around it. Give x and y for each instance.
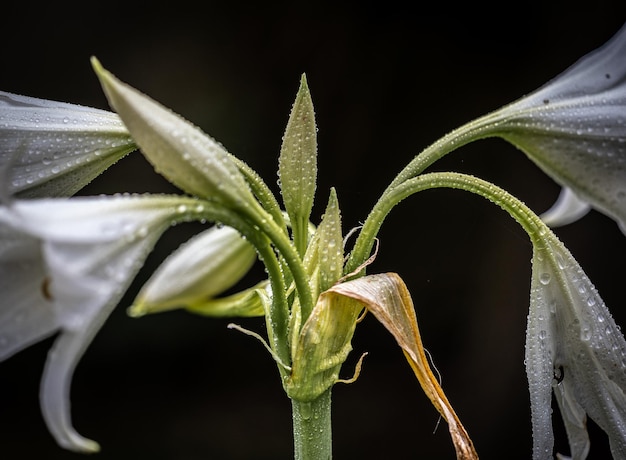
(64, 265)
(574, 348)
(52, 148)
(205, 266)
(574, 128)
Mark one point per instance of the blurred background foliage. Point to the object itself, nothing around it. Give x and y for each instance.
(386, 81)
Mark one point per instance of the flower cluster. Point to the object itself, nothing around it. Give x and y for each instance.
(65, 262)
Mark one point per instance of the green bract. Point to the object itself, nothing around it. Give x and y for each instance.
(297, 166)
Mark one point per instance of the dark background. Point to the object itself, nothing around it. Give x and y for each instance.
(386, 81)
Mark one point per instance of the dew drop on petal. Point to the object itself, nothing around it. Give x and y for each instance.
(545, 278)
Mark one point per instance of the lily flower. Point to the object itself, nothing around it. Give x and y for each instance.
(574, 349)
(202, 268)
(50, 148)
(64, 265)
(574, 129)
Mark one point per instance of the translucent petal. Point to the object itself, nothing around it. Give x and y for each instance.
(572, 334)
(574, 419)
(90, 250)
(52, 148)
(202, 268)
(26, 311)
(574, 128)
(567, 209)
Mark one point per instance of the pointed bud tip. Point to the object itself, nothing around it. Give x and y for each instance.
(96, 66)
(136, 310)
(303, 82)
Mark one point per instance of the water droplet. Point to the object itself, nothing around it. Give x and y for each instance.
(542, 334)
(585, 334)
(305, 410)
(545, 278)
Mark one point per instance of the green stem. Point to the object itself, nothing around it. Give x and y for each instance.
(518, 210)
(262, 192)
(278, 319)
(312, 428)
(293, 260)
(478, 129)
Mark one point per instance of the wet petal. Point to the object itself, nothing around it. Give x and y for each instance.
(571, 335)
(88, 250)
(50, 148)
(26, 312)
(574, 128)
(567, 209)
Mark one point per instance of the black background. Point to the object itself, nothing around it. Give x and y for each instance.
(386, 82)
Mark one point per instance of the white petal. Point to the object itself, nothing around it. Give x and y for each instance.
(540, 345)
(26, 314)
(574, 128)
(95, 219)
(92, 248)
(52, 148)
(55, 390)
(574, 419)
(567, 209)
(601, 71)
(575, 333)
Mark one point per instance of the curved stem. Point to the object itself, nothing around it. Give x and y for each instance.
(531, 223)
(480, 128)
(277, 320)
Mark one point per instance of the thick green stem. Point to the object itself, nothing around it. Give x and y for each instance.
(312, 428)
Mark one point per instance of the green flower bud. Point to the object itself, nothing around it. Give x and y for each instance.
(204, 267)
(180, 151)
